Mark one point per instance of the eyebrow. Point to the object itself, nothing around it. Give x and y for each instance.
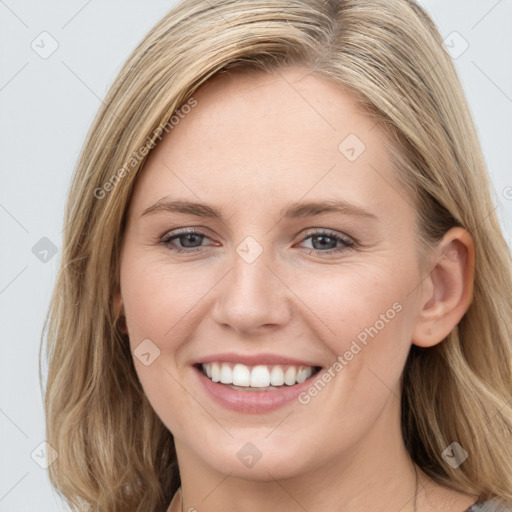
(294, 210)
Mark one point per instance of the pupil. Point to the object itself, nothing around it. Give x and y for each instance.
(323, 237)
(189, 238)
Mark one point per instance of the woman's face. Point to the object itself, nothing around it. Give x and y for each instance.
(272, 287)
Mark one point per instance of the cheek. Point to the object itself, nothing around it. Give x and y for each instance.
(348, 302)
(159, 297)
(157, 305)
(364, 316)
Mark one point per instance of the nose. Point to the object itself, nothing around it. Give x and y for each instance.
(253, 297)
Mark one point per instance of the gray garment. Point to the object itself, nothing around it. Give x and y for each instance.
(490, 506)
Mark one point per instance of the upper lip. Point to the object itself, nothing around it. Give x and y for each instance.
(254, 359)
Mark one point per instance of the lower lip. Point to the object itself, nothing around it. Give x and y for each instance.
(253, 401)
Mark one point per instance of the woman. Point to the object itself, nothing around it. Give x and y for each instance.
(283, 284)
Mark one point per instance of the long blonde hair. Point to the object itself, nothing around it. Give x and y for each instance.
(114, 453)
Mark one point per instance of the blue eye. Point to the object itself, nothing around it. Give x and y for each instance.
(192, 240)
(331, 237)
(190, 236)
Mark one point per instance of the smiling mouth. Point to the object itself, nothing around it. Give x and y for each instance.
(256, 378)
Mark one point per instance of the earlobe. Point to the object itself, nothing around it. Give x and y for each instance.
(448, 289)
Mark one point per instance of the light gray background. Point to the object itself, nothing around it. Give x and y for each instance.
(47, 105)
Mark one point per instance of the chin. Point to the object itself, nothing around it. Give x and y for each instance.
(261, 460)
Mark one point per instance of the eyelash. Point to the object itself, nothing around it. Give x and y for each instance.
(348, 244)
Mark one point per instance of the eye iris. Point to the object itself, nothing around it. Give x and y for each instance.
(323, 237)
(190, 238)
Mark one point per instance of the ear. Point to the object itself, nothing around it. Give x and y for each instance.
(448, 289)
(119, 312)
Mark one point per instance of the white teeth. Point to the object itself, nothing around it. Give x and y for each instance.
(260, 376)
(303, 374)
(241, 375)
(277, 376)
(215, 372)
(226, 374)
(290, 376)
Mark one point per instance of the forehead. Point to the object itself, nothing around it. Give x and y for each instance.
(265, 137)
(254, 108)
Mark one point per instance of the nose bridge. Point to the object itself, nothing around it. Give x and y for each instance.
(251, 273)
(251, 294)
